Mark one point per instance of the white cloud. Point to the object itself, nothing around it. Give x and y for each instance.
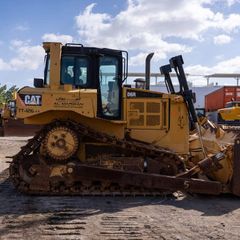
(52, 37)
(228, 24)
(143, 26)
(231, 65)
(222, 39)
(138, 59)
(231, 2)
(147, 25)
(228, 2)
(102, 30)
(16, 43)
(197, 72)
(26, 57)
(90, 24)
(160, 54)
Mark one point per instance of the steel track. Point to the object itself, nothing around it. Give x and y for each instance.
(86, 186)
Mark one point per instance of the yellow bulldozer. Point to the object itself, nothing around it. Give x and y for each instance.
(101, 137)
(230, 115)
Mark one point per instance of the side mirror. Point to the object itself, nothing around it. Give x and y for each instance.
(38, 83)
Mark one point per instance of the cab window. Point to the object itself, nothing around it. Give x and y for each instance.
(81, 71)
(47, 70)
(74, 71)
(67, 68)
(109, 86)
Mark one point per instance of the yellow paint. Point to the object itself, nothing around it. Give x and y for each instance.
(55, 63)
(230, 114)
(161, 120)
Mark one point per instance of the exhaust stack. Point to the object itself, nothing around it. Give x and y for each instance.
(147, 69)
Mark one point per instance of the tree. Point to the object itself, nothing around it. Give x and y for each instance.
(6, 94)
(3, 94)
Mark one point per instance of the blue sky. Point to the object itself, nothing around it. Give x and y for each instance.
(205, 32)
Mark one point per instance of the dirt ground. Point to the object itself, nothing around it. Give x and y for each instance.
(166, 217)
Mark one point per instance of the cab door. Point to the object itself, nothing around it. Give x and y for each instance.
(110, 87)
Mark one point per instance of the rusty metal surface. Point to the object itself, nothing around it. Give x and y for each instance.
(236, 168)
(168, 160)
(145, 180)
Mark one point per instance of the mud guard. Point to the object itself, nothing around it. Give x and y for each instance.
(235, 184)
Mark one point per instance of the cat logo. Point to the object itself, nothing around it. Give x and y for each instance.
(31, 100)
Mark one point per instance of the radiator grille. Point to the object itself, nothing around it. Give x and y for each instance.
(153, 120)
(153, 107)
(146, 113)
(137, 106)
(137, 122)
(136, 114)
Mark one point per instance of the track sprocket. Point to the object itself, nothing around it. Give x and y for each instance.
(60, 143)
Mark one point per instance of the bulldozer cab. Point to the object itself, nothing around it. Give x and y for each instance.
(90, 68)
(232, 104)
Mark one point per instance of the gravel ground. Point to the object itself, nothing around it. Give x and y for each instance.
(166, 217)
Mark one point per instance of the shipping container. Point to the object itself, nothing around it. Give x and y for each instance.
(218, 99)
